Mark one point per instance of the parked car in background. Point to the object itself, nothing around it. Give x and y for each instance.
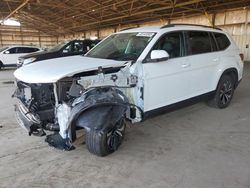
(9, 55)
(66, 48)
(129, 75)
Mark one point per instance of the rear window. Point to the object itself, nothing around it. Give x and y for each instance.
(222, 41)
(199, 42)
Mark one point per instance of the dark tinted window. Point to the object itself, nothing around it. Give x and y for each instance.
(26, 50)
(172, 43)
(222, 41)
(88, 44)
(13, 50)
(74, 47)
(199, 42)
(213, 42)
(93, 43)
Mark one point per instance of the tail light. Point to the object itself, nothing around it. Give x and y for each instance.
(242, 56)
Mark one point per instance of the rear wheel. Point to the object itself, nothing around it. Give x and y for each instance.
(224, 92)
(1, 65)
(102, 143)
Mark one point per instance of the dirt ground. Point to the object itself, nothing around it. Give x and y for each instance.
(194, 147)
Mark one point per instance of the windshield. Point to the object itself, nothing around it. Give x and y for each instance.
(2, 49)
(122, 46)
(58, 46)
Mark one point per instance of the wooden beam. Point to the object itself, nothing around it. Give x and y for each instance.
(141, 12)
(14, 11)
(1, 40)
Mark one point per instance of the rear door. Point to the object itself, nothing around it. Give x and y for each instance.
(203, 59)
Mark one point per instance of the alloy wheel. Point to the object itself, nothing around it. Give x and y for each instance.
(226, 92)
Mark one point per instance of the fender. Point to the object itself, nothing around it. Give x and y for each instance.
(100, 110)
(230, 71)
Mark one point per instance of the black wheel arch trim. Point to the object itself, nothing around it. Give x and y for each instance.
(232, 72)
(99, 112)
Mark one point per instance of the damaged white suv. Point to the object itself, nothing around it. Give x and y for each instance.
(128, 76)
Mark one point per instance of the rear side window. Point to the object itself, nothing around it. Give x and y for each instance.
(199, 42)
(222, 41)
(213, 42)
(26, 50)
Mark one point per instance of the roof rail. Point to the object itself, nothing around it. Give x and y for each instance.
(173, 25)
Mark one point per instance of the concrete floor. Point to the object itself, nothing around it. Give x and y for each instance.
(194, 147)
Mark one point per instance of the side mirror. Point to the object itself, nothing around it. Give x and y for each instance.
(7, 52)
(159, 55)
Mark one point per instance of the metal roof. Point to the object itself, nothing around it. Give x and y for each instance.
(69, 16)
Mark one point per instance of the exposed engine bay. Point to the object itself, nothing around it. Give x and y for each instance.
(93, 100)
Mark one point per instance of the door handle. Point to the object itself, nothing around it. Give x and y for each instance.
(216, 59)
(185, 65)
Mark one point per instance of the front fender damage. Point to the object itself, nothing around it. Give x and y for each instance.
(98, 109)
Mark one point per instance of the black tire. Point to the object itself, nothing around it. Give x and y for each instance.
(224, 92)
(102, 143)
(1, 65)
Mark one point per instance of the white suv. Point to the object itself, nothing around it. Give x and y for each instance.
(129, 75)
(9, 55)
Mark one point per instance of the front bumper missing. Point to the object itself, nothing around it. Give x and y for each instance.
(31, 124)
(28, 120)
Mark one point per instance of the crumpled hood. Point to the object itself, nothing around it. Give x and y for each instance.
(52, 70)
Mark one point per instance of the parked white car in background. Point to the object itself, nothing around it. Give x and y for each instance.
(129, 75)
(9, 55)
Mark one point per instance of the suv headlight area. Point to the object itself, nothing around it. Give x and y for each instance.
(28, 61)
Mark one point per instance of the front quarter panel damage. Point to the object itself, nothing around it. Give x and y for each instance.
(94, 100)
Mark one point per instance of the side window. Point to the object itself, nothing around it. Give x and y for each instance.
(93, 43)
(77, 47)
(171, 43)
(21, 50)
(33, 50)
(199, 42)
(68, 48)
(86, 46)
(74, 47)
(222, 41)
(12, 50)
(213, 42)
(26, 50)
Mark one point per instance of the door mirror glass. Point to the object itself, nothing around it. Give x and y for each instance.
(7, 52)
(159, 55)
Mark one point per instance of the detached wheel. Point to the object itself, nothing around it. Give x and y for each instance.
(224, 92)
(103, 143)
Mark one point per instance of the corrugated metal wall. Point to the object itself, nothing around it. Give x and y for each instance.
(243, 42)
(11, 35)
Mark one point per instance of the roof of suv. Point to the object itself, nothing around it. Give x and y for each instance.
(170, 27)
(15, 46)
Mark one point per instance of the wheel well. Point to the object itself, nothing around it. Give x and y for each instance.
(1, 64)
(232, 72)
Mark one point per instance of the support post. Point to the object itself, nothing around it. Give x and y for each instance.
(39, 38)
